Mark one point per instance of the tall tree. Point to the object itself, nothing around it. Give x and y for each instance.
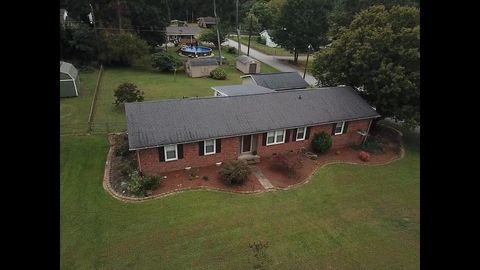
(300, 23)
(344, 11)
(261, 13)
(379, 54)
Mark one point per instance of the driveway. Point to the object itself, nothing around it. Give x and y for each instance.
(273, 61)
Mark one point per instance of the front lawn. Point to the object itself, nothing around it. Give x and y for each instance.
(346, 217)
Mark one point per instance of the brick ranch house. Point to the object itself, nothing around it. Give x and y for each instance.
(171, 135)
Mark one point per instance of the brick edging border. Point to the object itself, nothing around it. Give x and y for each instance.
(108, 188)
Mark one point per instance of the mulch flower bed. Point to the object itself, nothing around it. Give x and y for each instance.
(194, 178)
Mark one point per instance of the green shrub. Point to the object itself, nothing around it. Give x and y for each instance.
(218, 74)
(231, 50)
(261, 40)
(164, 61)
(322, 142)
(122, 149)
(127, 92)
(234, 172)
(205, 178)
(138, 185)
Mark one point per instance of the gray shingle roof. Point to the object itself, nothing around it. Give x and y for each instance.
(241, 89)
(151, 124)
(203, 62)
(245, 59)
(280, 80)
(68, 69)
(183, 30)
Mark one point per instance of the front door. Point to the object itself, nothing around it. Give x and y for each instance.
(246, 143)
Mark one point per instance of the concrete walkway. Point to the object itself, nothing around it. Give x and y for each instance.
(273, 61)
(261, 178)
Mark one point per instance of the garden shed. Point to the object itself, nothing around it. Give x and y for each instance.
(200, 67)
(69, 80)
(247, 65)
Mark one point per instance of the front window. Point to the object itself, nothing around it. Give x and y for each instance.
(339, 128)
(171, 152)
(209, 147)
(275, 137)
(301, 133)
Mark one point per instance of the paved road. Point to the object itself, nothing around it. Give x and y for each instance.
(273, 61)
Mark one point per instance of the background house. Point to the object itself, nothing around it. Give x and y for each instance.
(200, 67)
(238, 90)
(247, 65)
(265, 34)
(276, 81)
(69, 80)
(206, 22)
(185, 33)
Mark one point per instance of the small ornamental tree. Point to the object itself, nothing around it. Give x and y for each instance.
(290, 166)
(165, 61)
(127, 92)
(235, 172)
(322, 142)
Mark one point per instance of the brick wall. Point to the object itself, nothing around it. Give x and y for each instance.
(338, 141)
(230, 150)
(150, 164)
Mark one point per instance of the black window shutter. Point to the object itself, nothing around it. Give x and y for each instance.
(307, 135)
(287, 135)
(264, 141)
(180, 151)
(345, 128)
(294, 136)
(161, 154)
(218, 146)
(200, 148)
(333, 128)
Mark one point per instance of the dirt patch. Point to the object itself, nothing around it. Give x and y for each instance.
(118, 164)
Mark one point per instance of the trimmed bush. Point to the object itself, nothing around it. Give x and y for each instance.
(289, 166)
(364, 156)
(127, 92)
(234, 172)
(322, 142)
(139, 185)
(218, 74)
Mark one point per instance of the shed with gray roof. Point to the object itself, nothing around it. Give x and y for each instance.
(69, 80)
(157, 123)
(247, 65)
(277, 81)
(239, 89)
(200, 67)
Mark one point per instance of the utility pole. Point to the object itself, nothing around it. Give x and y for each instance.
(238, 32)
(118, 15)
(217, 23)
(249, 36)
(306, 63)
(95, 31)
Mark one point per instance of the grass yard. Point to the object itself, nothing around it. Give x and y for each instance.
(346, 217)
(74, 111)
(156, 85)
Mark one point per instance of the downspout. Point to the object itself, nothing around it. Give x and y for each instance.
(139, 163)
(368, 131)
